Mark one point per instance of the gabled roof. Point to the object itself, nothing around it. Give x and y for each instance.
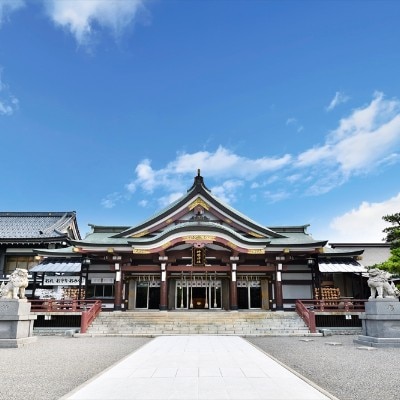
(199, 195)
(198, 215)
(38, 226)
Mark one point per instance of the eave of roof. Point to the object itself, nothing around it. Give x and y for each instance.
(65, 251)
(329, 252)
(210, 227)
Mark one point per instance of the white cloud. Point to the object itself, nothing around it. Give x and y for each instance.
(275, 196)
(224, 163)
(111, 200)
(365, 223)
(365, 140)
(227, 191)
(143, 203)
(164, 201)
(221, 164)
(8, 102)
(7, 7)
(82, 17)
(339, 98)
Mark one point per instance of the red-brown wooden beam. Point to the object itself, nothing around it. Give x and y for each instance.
(185, 268)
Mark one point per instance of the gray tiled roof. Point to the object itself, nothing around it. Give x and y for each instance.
(57, 265)
(34, 225)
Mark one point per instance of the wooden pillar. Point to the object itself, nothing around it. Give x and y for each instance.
(163, 287)
(233, 286)
(117, 288)
(278, 289)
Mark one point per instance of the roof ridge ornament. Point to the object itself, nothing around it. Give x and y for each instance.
(198, 183)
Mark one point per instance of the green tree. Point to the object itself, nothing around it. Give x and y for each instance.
(393, 237)
(392, 232)
(392, 264)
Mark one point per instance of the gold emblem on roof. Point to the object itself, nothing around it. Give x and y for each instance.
(198, 202)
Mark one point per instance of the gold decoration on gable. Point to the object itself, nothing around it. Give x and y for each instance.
(256, 251)
(228, 221)
(165, 245)
(141, 251)
(231, 245)
(198, 238)
(257, 235)
(198, 202)
(169, 221)
(140, 234)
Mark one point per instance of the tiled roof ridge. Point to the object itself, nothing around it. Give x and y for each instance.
(36, 213)
(59, 225)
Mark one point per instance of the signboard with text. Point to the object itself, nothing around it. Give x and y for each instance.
(62, 281)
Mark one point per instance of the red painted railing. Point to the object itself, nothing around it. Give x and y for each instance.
(89, 315)
(307, 315)
(308, 308)
(89, 309)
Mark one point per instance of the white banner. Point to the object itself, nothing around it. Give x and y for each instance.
(62, 281)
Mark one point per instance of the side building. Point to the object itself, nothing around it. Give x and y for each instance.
(22, 233)
(200, 253)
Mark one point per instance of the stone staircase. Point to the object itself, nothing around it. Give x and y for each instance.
(156, 323)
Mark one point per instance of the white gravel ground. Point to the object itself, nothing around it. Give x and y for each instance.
(53, 366)
(341, 368)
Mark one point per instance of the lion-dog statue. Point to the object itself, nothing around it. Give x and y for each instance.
(379, 284)
(16, 285)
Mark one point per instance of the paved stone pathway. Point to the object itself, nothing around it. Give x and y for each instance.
(198, 367)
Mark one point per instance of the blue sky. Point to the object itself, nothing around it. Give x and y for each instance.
(291, 109)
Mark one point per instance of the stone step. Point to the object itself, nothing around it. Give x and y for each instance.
(198, 322)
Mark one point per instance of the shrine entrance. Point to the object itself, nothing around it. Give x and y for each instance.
(198, 293)
(143, 292)
(253, 292)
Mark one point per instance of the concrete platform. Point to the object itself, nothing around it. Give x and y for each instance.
(198, 367)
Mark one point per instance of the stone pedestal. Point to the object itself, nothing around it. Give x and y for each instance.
(380, 324)
(16, 323)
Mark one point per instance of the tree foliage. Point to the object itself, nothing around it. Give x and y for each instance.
(393, 237)
(392, 264)
(392, 232)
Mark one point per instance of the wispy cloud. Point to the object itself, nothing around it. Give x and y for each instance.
(112, 199)
(339, 98)
(365, 141)
(8, 102)
(7, 7)
(295, 123)
(369, 137)
(82, 17)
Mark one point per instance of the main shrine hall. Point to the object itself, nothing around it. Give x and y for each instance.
(200, 253)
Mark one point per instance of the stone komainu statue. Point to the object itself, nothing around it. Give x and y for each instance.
(379, 284)
(16, 285)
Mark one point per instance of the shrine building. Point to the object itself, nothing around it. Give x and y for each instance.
(200, 253)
